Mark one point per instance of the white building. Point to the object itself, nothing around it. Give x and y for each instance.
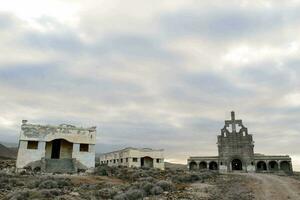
(134, 157)
(63, 148)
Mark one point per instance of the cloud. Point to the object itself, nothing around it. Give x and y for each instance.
(228, 23)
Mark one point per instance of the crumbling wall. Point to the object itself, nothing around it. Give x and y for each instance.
(85, 158)
(26, 156)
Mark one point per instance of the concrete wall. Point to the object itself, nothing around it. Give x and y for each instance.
(48, 133)
(26, 156)
(48, 150)
(66, 149)
(85, 158)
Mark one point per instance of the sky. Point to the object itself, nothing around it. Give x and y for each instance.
(159, 74)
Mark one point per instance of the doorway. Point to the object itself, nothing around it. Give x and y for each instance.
(147, 162)
(237, 164)
(55, 153)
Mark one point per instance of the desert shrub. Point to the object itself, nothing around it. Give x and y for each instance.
(165, 185)
(48, 184)
(21, 195)
(63, 182)
(147, 179)
(134, 194)
(106, 193)
(50, 193)
(156, 190)
(192, 177)
(146, 187)
(122, 196)
(186, 178)
(88, 187)
(37, 169)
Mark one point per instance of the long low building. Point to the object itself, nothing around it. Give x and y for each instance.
(135, 157)
(236, 152)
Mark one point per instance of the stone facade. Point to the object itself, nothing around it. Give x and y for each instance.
(236, 152)
(134, 157)
(63, 148)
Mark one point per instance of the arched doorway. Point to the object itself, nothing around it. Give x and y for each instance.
(147, 162)
(285, 166)
(236, 164)
(213, 165)
(203, 165)
(193, 165)
(59, 148)
(273, 165)
(261, 166)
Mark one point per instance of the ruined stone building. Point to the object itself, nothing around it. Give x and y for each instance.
(236, 152)
(63, 148)
(134, 157)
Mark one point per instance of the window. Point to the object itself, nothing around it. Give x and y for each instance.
(126, 159)
(157, 160)
(84, 147)
(134, 159)
(121, 160)
(114, 160)
(32, 144)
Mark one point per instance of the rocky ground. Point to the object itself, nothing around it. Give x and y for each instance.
(134, 184)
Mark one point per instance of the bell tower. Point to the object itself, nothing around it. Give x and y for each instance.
(235, 146)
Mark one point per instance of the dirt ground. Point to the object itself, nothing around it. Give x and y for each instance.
(248, 186)
(274, 187)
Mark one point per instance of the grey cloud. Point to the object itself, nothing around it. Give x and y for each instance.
(7, 21)
(227, 23)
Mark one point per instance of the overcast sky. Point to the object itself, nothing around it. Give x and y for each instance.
(159, 73)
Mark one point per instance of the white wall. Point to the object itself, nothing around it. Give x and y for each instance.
(26, 156)
(131, 153)
(85, 158)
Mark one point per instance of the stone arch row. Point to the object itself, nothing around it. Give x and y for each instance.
(273, 165)
(203, 165)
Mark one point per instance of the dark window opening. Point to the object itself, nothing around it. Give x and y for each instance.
(32, 145)
(84, 147)
(121, 160)
(126, 159)
(157, 160)
(134, 159)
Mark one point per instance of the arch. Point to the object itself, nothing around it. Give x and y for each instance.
(193, 165)
(236, 164)
(203, 165)
(147, 162)
(273, 165)
(213, 165)
(285, 166)
(261, 166)
(59, 148)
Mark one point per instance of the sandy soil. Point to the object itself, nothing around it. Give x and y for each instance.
(274, 187)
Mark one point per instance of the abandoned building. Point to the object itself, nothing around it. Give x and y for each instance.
(64, 148)
(134, 157)
(236, 152)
